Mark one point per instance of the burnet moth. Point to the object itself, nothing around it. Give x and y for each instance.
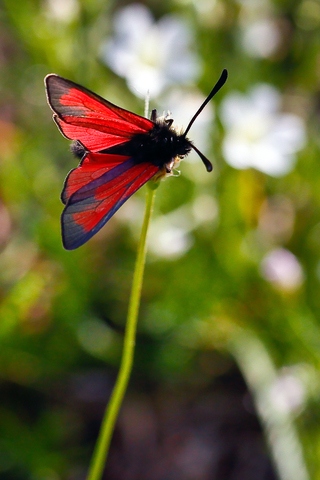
(119, 151)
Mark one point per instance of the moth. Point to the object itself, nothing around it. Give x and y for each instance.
(119, 152)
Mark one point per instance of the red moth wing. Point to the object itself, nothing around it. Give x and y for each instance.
(82, 115)
(92, 205)
(93, 166)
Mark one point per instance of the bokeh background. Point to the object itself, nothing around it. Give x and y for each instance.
(226, 378)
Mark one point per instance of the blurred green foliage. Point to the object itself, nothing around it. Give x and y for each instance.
(62, 313)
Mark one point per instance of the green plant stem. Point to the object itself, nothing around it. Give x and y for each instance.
(102, 446)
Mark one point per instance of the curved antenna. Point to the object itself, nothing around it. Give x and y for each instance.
(216, 88)
(207, 162)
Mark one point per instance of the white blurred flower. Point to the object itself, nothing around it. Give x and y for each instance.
(169, 241)
(63, 10)
(261, 38)
(170, 236)
(150, 55)
(258, 135)
(210, 13)
(205, 209)
(287, 393)
(281, 268)
(261, 32)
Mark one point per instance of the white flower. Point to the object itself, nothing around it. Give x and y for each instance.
(282, 269)
(150, 55)
(63, 10)
(258, 135)
(261, 38)
(261, 32)
(287, 393)
(170, 236)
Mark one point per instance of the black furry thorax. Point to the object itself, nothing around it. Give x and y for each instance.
(159, 146)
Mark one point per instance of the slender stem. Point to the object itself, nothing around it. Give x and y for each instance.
(102, 446)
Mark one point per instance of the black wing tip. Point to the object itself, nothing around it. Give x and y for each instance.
(48, 79)
(70, 248)
(72, 242)
(55, 76)
(53, 81)
(49, 87)
(49, 75)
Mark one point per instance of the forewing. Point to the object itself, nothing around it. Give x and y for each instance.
(91, 206)
(82, 115)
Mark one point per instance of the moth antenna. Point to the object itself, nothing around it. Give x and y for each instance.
(207, 162)
(222, 80)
